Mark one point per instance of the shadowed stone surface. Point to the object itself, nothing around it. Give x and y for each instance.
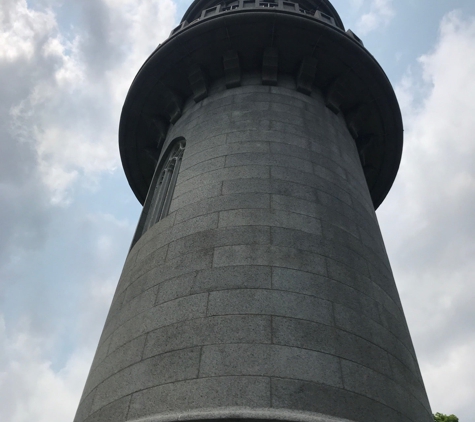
(267, 286)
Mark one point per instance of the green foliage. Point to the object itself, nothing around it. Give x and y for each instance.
(440, 417)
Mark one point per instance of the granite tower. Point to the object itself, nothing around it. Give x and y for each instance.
(260, 137)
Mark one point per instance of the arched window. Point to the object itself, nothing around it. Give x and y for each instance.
(160, 194)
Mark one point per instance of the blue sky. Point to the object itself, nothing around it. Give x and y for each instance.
(67, 215)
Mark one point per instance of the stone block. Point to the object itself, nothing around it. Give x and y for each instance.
(230, 173)
(289, 128)
(397, 325)
(385, 300)
(268, 255)
(385, 282)
(232, 69)
(356, 349)
(352, 321)
(194, 169)
(222, 203)
(114, 412)
(369, 383)
(270, 360)
(269, 302)
(296, 175)
(295, 205)
(218, 99)
(289, 110)
(256, 185)
(374, 243)
(185, 263)
(194, 225)
(122, 357)
(332, 216)
(246, 135)
(295, 151)
(194, 146)
(409, 380)
(337, 234)
(196, 181)
(319, 245)
(206, 331)
(220, 151)
(141, 284)
(337, 198)
(300, 240)
(324, 399)
(382, 389)
(265, 159)
(220, 237)
(114, 311)
(137, 305)
(174, 288)
(145, 263)
(181, 309)
(349, 259)
(165, 368)
(301, 190)
(303, 334)
(129, 264)
(386, 340)
(336, 175)
(200, 394)
(207, 190)
(298, 281)
(274, 218)
(102, 350)
(85, 406)
(152, 234)
(232, 277)
(339, 272)
(324, 288)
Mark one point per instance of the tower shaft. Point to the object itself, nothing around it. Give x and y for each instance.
(257, 285)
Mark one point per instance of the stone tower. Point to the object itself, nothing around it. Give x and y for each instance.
(260, 137)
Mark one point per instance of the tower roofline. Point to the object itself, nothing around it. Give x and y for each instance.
(195, 9)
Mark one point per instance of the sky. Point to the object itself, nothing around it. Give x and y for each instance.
(67, 215)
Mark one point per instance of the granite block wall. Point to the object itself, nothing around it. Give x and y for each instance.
(266, 292)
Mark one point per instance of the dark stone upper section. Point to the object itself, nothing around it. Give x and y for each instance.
(305, 6)
(305, 40)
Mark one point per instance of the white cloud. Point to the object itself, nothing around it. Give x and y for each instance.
(46, 351)
(70, 107)
(30, 388)
(59, 114)
(22, 28)
(379, 15)
(428, 217)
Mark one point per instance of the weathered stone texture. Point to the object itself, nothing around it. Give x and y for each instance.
(267, 285)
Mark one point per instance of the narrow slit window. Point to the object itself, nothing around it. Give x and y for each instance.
(159, 198)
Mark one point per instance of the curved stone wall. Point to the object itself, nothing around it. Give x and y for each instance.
(266, 292)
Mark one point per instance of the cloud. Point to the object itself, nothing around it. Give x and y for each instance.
(428, 217)
(60, 301)
(30, 388)
(68, 66)
(74, 86)
(379, 15)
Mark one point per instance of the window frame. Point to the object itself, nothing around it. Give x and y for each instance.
(162, 187)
